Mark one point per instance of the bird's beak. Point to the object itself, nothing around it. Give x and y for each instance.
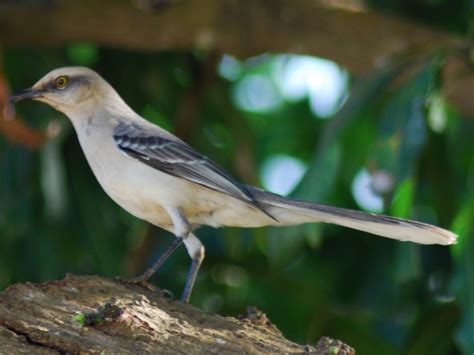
(31, 93)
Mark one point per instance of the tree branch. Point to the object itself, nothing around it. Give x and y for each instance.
(357, 38)
(91, 314)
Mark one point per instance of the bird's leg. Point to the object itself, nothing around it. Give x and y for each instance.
(195, 249)
(196, 252)
(143, 278)
(181, 231)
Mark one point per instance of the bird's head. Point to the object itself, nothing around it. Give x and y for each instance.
(66, 89)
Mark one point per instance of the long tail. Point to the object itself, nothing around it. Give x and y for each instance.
(289, 211)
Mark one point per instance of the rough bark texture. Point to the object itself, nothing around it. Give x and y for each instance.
(91, 314)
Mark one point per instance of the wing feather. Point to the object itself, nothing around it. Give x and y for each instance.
(172, 156)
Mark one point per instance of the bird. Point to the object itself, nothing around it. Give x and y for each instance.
(159, 178)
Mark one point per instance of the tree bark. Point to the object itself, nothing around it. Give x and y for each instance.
(91, 314)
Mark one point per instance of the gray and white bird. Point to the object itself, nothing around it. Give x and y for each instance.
(158, 178)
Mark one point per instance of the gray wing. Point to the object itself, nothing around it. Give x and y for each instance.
(172, 156)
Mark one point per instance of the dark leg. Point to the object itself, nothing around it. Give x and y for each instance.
(143, 278)
(191, 278)
(193, 245)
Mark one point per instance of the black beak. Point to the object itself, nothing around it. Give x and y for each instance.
(26, 94)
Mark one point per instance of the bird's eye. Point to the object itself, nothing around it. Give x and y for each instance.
(61, 82)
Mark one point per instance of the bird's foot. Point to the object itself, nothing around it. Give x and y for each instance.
(140, 281)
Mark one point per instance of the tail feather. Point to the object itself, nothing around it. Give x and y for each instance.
(290, 211)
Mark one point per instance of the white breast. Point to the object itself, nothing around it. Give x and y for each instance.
(143, 191)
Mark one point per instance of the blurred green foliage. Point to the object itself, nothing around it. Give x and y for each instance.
(378, 295)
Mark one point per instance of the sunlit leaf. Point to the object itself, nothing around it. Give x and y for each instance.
(402, 203)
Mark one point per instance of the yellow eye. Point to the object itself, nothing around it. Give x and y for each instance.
(61, 82)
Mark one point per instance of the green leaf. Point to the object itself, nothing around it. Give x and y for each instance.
(407, 257)
(403, 131)
(407, 262)
(80, 318)
(463, 282)
(402, 203)
(316, 185)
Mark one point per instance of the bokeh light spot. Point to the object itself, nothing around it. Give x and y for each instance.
(281, 173)
(324, 82)
(229, 68)
(256, 92)
(363, 193)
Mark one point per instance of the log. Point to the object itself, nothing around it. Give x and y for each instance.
(95, 315)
